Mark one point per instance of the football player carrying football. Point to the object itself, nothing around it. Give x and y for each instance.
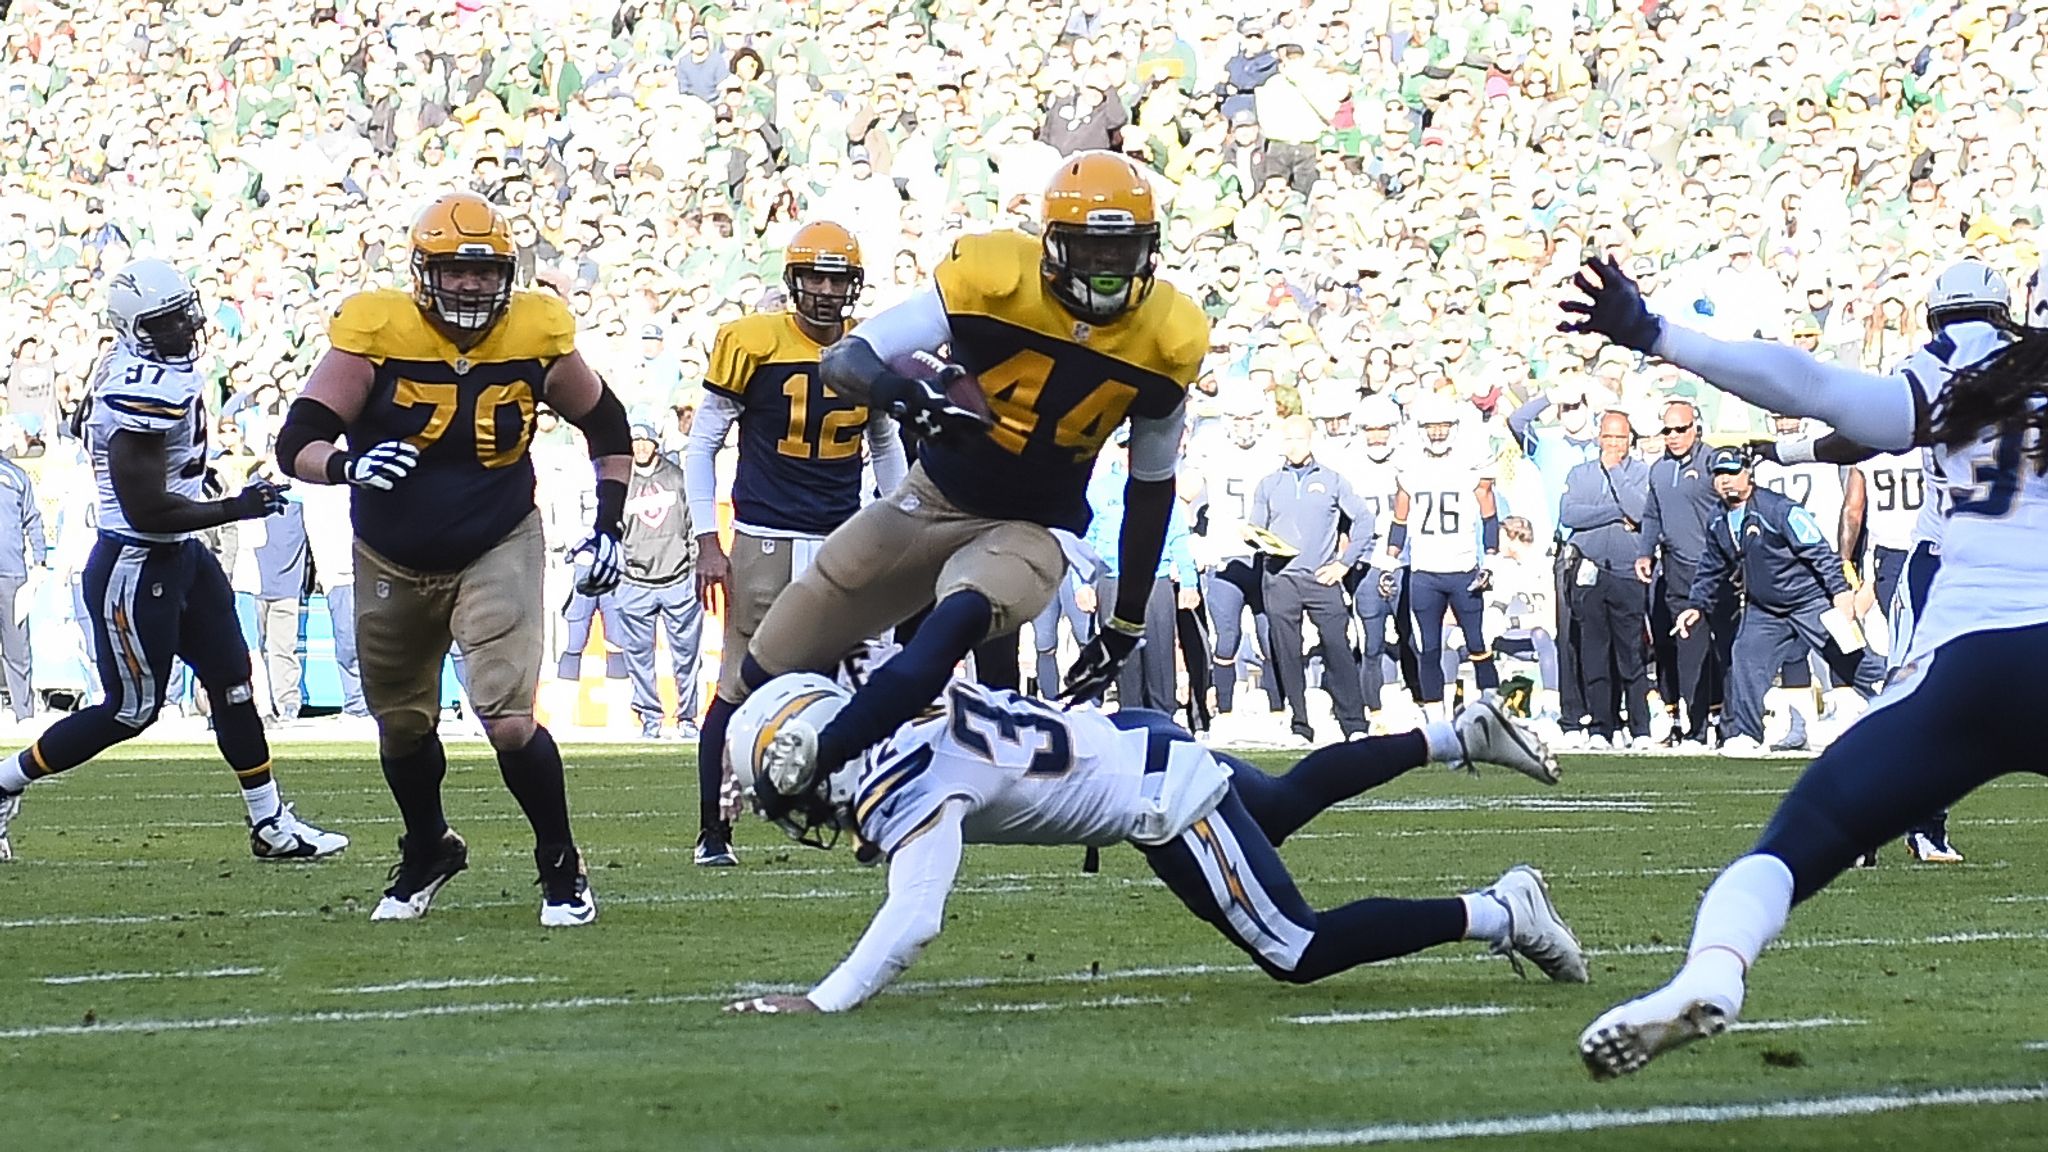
(1067, 336)
(798, 474)
(158, 591)
(436, 390)
(996, 768)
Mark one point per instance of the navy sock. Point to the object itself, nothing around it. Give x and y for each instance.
(1283, 804)
(415, 782)
(911, 679)
(1377, 929)
(711, 760)
(1226, 686)
(76, 739)
(533, 774)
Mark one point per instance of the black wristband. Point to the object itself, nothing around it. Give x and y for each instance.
(337, 466)
(611, 506)
(890, 389)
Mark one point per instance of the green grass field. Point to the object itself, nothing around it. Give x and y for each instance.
(258, 1008)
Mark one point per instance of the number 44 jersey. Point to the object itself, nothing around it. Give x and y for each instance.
(131, 394)
(469, 412)
(1030, 773)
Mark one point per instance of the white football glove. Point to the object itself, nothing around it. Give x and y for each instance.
(382, 467)
(606, 558)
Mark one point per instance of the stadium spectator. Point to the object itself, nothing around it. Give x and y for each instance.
(22, 551)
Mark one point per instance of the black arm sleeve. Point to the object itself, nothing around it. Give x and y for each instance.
(307, 422)
(1148, 505)
(605, 428)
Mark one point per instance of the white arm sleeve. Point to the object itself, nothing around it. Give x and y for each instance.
(885, 452)
(1155, 444)
(700, 459)
(921, 875)
(1881, 412)
(915, 324)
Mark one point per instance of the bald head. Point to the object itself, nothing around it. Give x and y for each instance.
(1297, 438)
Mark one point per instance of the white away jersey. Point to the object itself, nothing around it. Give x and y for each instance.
(1029, 772)
(1232, 473)
(1374, 481)
(1894, 496)
(1818, 488)
(1443, 513)
(1994, 543)
(132, 394)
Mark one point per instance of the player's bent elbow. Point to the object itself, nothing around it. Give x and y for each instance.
(847, 368)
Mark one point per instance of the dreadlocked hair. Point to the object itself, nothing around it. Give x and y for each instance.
(2005, 393)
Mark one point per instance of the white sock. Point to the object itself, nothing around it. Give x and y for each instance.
(1485, 917)
(14, 772)
(1444, 745)
(263, 802)
(1743, 910)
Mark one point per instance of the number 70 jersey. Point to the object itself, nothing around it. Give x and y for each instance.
(1994, 545)
(470, 413)
(1029, 772)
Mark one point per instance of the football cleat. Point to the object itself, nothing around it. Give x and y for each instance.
(1628, 1036)
(714, 848)
(286, 837)
(1535, 930)
(10, 807)
(1742, 747)
(1490, 736)
(566, 901)
(418, 876)
(1931, 849)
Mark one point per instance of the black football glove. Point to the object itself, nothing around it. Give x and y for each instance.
(1096, 668)
(923, 406)
(1613, 307)
(259, 498)
(1762, 450)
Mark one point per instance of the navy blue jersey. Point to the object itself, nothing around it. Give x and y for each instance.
(799, 447)
(1057, 387)
(470, 413)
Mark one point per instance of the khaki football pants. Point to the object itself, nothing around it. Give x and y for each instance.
(893, 557)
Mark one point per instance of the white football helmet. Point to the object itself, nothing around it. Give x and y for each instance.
(1437, 415)
(1968, 290)
(156, 313)
(1378, 417)
(791, 706)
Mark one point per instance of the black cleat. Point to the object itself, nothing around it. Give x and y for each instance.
(419, 874)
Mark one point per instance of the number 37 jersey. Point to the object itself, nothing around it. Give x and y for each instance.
(470, 413)
(131, 394)
(1029, 772)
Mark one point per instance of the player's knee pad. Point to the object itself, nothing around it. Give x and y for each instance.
(399, 734)
(509, 733)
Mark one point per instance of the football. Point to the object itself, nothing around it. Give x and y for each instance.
(960, 386)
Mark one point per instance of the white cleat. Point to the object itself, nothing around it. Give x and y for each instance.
(419, 875)
(792, 757)
(1490, 736)
(566, 900)
(1924, 848)
(1743, 748)
(286, 837)
(1628, 1036)
(1535, 930)
(10, 807)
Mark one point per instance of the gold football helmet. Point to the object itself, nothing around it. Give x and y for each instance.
(1101, 236)
(462, 262)
(822, 249)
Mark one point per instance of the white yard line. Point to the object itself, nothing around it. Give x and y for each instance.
(1805, 1025)
(1447, 1012)
(1592, 1120)
(119, 977)
(442, 984)
(1035, 1006)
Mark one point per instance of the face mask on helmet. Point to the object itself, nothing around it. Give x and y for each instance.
(1244, 431)
(1099, 275)
(467, 292)
(1437, 438)
(816, 815)
(823, 308)
(170, 334)
(1379, 444)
